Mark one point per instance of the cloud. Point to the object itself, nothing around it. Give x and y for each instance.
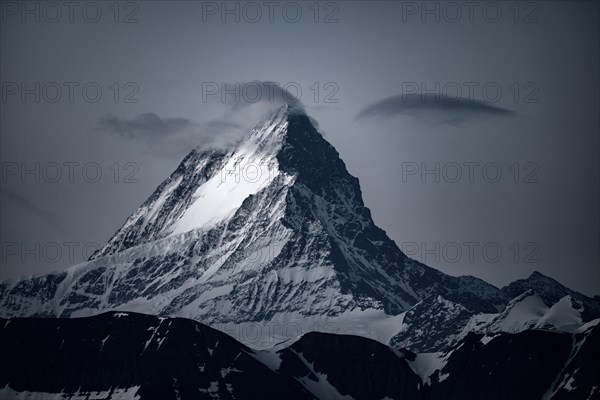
(242, 94)
(46, 216)
(147, 125)
(428, 106)
(172, 137)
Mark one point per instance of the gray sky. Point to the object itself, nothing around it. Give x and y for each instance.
(515, 94)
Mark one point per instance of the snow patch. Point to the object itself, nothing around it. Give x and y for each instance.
(321, 388)
(6, 393)
(425, 365)
(270, 358)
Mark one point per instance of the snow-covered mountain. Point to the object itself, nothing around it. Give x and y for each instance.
(551, 291)
(437, 324)
(273, 231)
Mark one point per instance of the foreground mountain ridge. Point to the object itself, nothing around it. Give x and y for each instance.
(134, 356)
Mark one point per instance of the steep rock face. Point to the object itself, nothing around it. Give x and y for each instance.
(367, 261)
(273, 230)
(433, 324)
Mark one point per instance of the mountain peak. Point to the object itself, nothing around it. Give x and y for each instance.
(551, 291)
(274, 229)
(538, 275)
(209, 186)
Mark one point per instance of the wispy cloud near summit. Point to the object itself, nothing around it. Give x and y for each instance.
(246, 104)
